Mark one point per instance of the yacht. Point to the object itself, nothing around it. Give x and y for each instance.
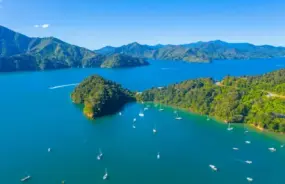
(158, 156)
(272, 149)
(214, 168)
(248, 161)
(154, 130)
(105, 175)
(229, 127)
(178, 117)
(26, 178)
(100, 155)
(141, 114)
(249, 179)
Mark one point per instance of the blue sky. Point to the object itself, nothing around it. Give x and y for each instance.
(97, 23)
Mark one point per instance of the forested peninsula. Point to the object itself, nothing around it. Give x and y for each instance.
(256, 100)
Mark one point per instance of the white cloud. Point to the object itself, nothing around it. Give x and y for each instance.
(45, 26)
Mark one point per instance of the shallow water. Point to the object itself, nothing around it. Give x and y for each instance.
(35, 118)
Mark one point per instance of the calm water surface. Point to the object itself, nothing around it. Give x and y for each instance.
(35, 118)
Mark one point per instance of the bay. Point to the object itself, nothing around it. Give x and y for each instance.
(35, 118)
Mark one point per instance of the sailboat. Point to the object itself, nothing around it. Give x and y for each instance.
(154, 130)
(272, 149)
(248, 161)
(160, 108)
(158, 156)
(26, 178)
(141, 114)
(249, 179)
(229, 127)
(214, 168)
(178, 117)
(105, 175)
(100, 155)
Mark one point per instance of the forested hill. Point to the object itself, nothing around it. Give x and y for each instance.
(258, 100)
(197, 52)
(21, 53)
(100, 96)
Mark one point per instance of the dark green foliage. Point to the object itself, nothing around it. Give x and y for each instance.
(198, 52)
(21, 53)
(100, 97)
(256, 100)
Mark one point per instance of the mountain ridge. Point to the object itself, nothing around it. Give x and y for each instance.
(21, 53)
(198, 51)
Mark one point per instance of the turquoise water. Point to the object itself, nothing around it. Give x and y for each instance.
(35, 118)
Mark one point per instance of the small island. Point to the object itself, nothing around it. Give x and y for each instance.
(256, 100)
(100, 96)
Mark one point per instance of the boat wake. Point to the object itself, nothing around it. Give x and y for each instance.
(63, 86)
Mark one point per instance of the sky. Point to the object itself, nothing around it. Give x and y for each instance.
(97, 23)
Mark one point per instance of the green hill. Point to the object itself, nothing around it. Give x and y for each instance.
(258, 100)
(100, 96)
(21, 53)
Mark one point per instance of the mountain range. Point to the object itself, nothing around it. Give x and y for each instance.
(197, 52)
(22, 53)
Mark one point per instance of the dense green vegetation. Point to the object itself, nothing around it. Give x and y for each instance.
(100, 97)
(197, 52)
(257, 100)
(21, 53)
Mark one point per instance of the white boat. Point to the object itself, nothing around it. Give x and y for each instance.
(208, 119)
(105, 175)
(100, 155)
(160, 108)
(120, 113)
(249, 179)
(247, 142)
(272, 149)
(141, 114)
(134, 126)
(248, 161)
(158, 156)
(49, 149)
(235, 149)
(154, 129)
(178, 117)
(246, 131)
(214, 168)
(145, 109)
(229, 127)
(282, 146)
(26, 178)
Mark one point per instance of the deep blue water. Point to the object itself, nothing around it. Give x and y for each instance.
(34, 118)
